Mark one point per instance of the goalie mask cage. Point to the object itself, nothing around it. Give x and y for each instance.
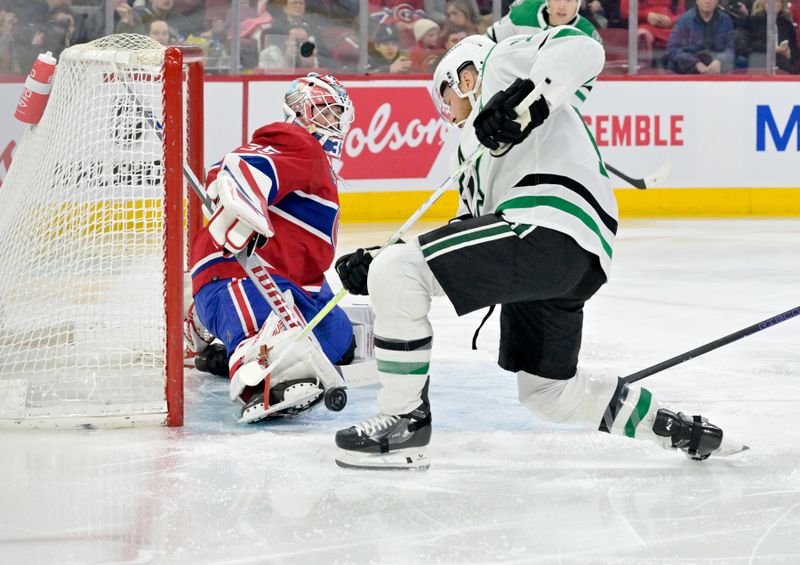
(92, 243)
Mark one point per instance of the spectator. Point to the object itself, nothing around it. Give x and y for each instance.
(462, 13)
(9, 24)
(787, 53)
(181, 25)
(656, 20)
(217, 33)
(594, 11)
(128, 19)
(87, 26)
(159, 30)
(452, 35)
(293, 13)
(293, 51)
(385, 56)
(702, 41)
(425, 54)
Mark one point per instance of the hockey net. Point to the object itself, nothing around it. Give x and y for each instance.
(92, 240)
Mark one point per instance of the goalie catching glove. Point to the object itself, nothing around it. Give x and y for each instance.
(498, 123)
(241, 219)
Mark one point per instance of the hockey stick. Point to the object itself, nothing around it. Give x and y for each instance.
(653, 179)
(335, 396)
(711, 346)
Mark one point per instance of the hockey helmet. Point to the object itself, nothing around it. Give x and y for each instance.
(321, 105)
(471, 50)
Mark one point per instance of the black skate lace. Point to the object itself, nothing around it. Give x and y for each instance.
(374, 424)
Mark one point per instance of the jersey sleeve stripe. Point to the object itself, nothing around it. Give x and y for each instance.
(264, 165)
(313, 216)
(209, 261)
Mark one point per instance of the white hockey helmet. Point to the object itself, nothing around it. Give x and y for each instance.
(471, 50)
(321, 105)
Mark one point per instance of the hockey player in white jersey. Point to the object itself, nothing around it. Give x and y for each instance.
(531, 17)
(536, 235)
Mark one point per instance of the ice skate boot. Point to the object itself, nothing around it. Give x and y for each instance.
(694, 436)
(386, 442)
(286, 400)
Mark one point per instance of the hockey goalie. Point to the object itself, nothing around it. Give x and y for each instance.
(277, 197)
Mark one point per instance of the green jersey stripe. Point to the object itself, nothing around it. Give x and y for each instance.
(594, 144)
(403, 368)
(560, 204)
(475, 237)
(567, 31)
(638, 414)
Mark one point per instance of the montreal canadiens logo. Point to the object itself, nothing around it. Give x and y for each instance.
(397, 134)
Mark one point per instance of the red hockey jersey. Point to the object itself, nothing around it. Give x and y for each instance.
(303, 208)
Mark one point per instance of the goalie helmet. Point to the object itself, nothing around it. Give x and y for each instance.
(321, 105)
(471, 50)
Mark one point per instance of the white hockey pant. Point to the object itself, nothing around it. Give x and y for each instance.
(600, 401)
(400, 287)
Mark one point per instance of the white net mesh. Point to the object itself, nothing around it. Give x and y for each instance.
(82, 321)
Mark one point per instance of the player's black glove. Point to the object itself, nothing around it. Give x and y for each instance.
(353, 269)
(498, 124)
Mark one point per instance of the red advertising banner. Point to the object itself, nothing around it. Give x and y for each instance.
(397, 133)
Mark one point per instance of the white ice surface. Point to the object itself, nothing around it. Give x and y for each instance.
(503, 486)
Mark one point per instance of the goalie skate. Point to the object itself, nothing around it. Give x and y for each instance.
(298, 397)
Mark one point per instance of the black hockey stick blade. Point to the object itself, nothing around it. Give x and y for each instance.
(654, 179)
(711, 346)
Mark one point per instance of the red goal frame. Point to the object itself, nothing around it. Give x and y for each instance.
(183, 144)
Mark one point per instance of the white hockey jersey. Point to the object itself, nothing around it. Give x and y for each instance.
(556, 177)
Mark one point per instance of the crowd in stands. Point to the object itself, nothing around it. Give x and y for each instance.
(405, 36)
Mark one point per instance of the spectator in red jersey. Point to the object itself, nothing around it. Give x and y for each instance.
(656, 20)
(427, 51)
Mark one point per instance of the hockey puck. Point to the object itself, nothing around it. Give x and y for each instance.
(335, 399)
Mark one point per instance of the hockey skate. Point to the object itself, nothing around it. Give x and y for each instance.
(697, 438)
(386, 442)
(286, 400)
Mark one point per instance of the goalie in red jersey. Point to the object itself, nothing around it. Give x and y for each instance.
(286, 169)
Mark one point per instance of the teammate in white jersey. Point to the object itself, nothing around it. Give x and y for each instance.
(531, 17)
(536, 235)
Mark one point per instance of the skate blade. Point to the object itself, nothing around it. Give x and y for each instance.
(256, 413)
(729, 448)
(401, 460)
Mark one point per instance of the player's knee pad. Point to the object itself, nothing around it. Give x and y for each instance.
(582, 398)
(400, 286)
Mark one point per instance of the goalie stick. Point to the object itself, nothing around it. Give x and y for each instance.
(331, 380)
(711, 346)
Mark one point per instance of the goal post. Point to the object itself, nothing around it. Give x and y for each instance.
(93, 240)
